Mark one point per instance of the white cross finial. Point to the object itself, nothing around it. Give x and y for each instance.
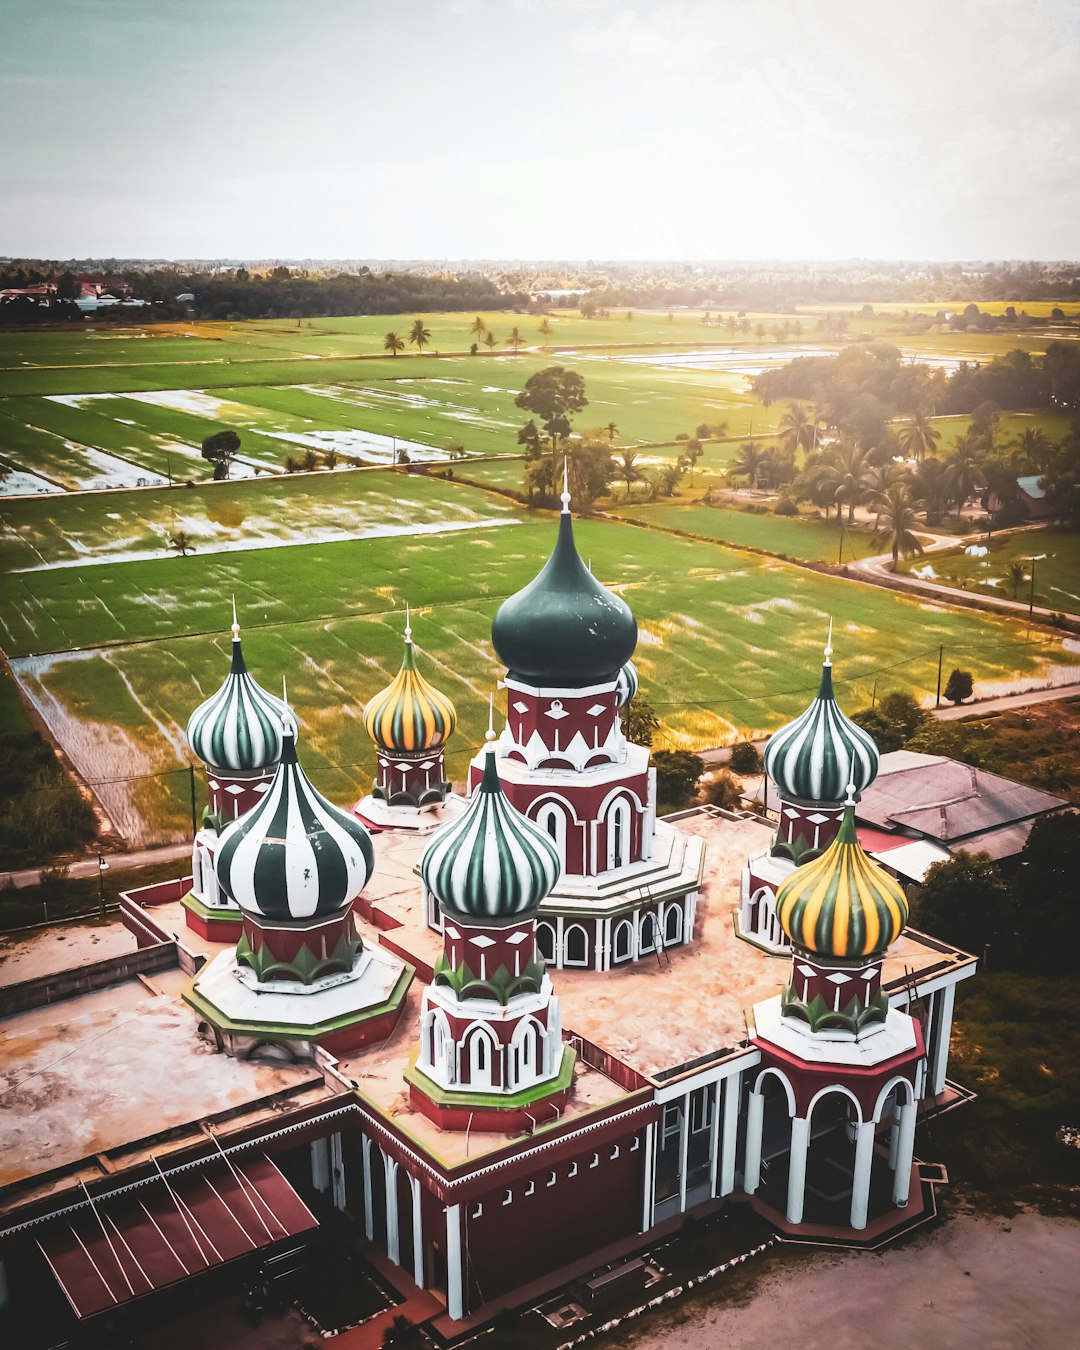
(408, 626)
(235, 625)
(489, 735)
(828, 646)
(849, 800)
(566, 485)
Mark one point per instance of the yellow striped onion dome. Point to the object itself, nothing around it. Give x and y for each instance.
(491, 863)
(238, 729)
(626, 686)
(410, 713)
(842, 904)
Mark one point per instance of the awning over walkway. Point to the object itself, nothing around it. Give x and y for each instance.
(121, 1248)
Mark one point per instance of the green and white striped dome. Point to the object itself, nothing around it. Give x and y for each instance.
(491, 863)
(814, 758)
(295, 855)
(626, 686)
(238, 729)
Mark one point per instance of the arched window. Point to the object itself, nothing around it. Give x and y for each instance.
(575, 946)
(481, 1058)
(648, 932)
(552, 819)
(624, 941)
(618, 833)
(545, 940)
(524, 1056)
(673, 925)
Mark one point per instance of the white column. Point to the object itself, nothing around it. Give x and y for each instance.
(905, 1149)
(369, 1212)
(337, 1170)
(393, 1244)
(732, 1094)
(455, 1302)
(714, 1135)
(941, 1048)
(860, 1182)
(684, 1143)
(647, 1184)
(755, 1115)
(796, 1186)
(320, 1164)
(417, 1235)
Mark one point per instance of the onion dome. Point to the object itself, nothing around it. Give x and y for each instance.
(814, 758)
(626, 686)
(564, 630)
(491, 863)
(295, 855)
(842, 905)
(410, 713)
(238, 729)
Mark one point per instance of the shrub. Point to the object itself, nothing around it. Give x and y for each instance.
(960, 686)
(677, 772)
(787, 506)
(722, 789)
(745, 758)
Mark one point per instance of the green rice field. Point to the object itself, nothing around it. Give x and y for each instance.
(805, 540)
(116, 656)
(1057, 568)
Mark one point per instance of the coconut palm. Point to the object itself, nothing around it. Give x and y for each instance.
(798, 428)
(879, 478)
(515, 340)
(842, 474)
(612, 431)
(747, 463)
(1033, 450)
(919, 438)
(419, 336)
(181, 544)
(478, 326)
(626, 468)
(545, 328)
(897, 521)
(963, 472)
(393, 344)
(1015, 576)
(490, 340)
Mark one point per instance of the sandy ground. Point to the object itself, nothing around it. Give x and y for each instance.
(994, 1283)
(46, 951)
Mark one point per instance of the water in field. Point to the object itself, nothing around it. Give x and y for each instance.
(18, 483)
(748, 361)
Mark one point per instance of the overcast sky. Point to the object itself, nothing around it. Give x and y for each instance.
(540, 128)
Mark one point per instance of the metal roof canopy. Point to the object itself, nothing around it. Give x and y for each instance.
(122, 1249)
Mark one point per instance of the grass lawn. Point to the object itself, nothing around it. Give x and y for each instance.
(806, 540)
(246, 513)
(1057, 568)
(729, 643)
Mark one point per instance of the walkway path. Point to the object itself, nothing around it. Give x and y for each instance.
(118, 862)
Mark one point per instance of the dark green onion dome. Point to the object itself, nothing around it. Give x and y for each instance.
(815, 757)
(238, 729)
(491, 863)
(626, 686)
(842, 905)
(295, 855)
(564, 629)
(410, 713)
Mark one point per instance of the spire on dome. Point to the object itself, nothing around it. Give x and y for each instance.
(842, 906)
(828, 645)
(410, 714)
(814, 758)
(565, 496)
(237, 729)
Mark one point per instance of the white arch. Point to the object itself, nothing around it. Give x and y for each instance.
(834, 1087)
(674, 910)
(624, 926)
(647, 917)
(553, 798)
(570, 928)
(553, 814)
(617, 826)
(883, 1095)
(548, 929)
(480, 1045)
(621, 791)
(785, 1084)
(527, 1046)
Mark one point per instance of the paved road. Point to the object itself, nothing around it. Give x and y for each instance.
(118, 862)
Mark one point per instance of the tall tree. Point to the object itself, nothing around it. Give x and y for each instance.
(545, 327)
(553, 394)
(963, 471)
(627, 468)
(919, 438)
(612, 431)
(478, 326)
(747, 463)
(393, 344)
(798, 428)
(419, 336)
(490, 340)
(515, 340)
(897, 521)
(220, 449)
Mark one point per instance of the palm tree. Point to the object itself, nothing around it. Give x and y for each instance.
(1033, 450)
(878, 479)
(478, 326)
(919, 438)
(898, 519)
(747, 463)
(180, 543)
(330, 459)
(490, 340)
(419, 336)
(626, 467)
(842, 475)
(1015, 576)
(798, 428)
(612, 431)
(545, 328)
(515, 340)
(963, 470)
(393, 344)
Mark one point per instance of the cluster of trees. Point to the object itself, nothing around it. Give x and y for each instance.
(42, 813)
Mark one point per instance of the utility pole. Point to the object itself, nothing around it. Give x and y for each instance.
(194, 822)
(1031, 593)
(840, 554)
(103, 867)
(873, 696)
(940, 658)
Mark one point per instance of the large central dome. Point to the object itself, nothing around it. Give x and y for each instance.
(564, 630)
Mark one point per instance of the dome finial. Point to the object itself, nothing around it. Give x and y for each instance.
(566, 485)
(849, 800)
(235, 625)
(288, 722)
(489, 735)
(828, 645)
(408, 625)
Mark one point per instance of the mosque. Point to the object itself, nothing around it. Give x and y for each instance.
(536, 1026)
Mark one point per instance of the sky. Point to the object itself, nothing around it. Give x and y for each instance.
(518, 129)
